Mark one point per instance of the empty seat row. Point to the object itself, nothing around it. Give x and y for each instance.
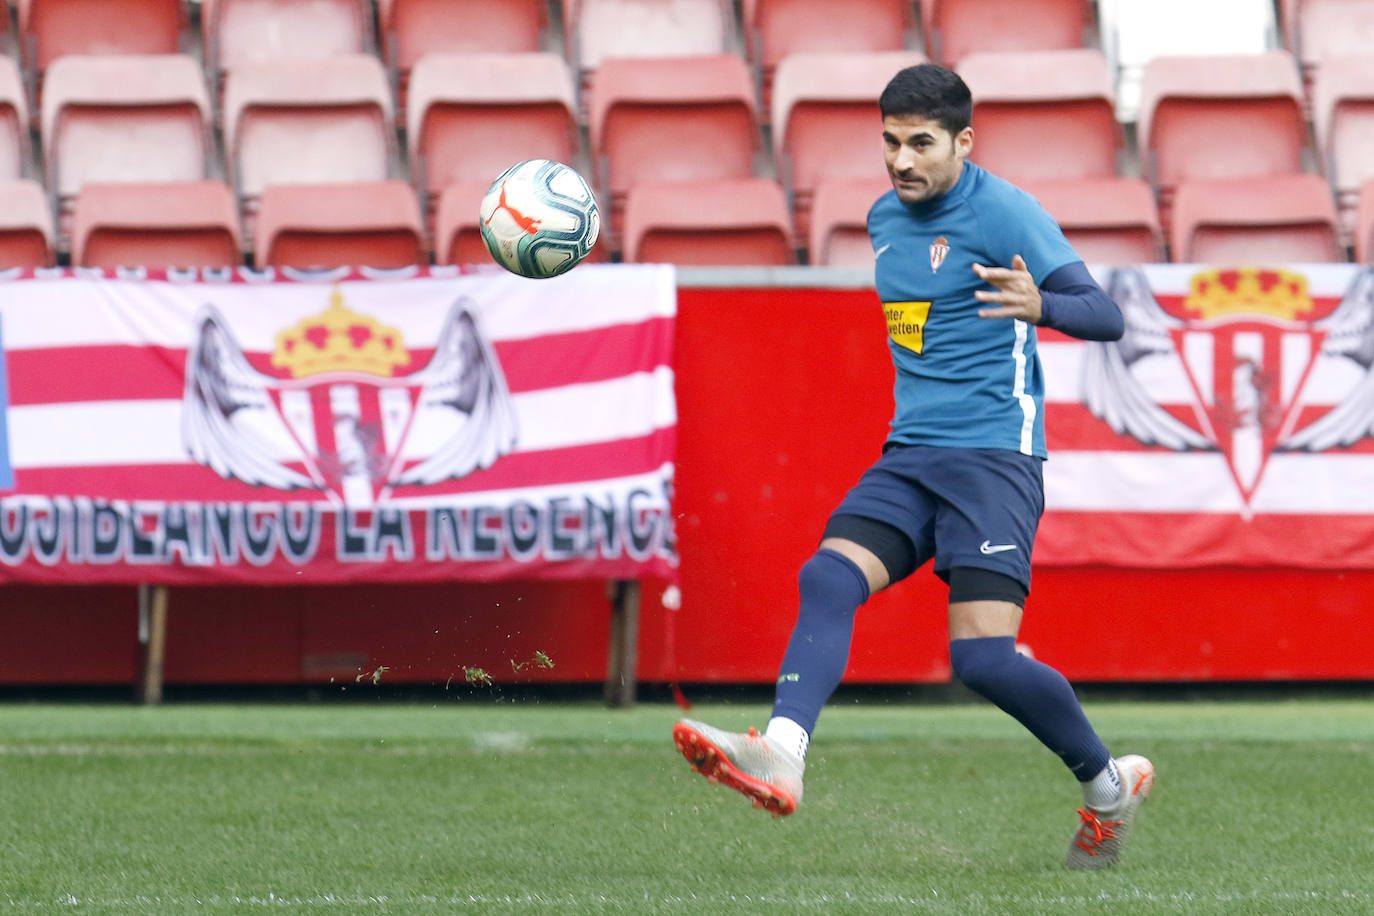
(247, 31)
(1047, 116)
(1272, 219)
(378, 224)
(233, 31)
(1038, 116)
(197, 224)
(147, 118)
(1281, 219)
(120, 118)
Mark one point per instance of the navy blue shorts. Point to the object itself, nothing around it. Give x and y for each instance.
(959, 506)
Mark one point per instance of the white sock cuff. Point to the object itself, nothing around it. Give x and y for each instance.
(789, 734)
(1103, 791)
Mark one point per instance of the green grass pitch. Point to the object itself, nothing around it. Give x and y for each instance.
(486, 806)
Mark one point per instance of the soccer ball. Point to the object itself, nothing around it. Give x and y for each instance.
(539, 219)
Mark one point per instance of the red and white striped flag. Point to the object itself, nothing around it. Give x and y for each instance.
(337, 426)
(1230, 425)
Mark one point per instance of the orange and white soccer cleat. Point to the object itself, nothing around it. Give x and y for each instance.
(752, 764)
(1102, 831)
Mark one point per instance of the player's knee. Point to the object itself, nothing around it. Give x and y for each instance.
(831, 579)
(983, 664)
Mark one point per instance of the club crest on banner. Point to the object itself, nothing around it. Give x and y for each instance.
(337, 418)
(1270, 367)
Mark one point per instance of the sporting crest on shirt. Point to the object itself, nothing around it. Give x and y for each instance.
(338, 419)
(938, 250)
(1269, 367)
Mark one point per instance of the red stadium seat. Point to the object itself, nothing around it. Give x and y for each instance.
(457, 239)
(470, 116)
(1224, 116)
(299, 121)
(1343, 118)
(838, 234)
(49, 29)
(123, 119)
(777, 28)
(955, 28)
(14, 121)
(371, 224)
(238, 32)
(1043, 114)
(170, 224)
(602, 29)
(1107, 220)
(1319, 29)
(825, 120)
(1364, 224)
(1278, 219)
(671, 119)
(1133, 33)
(411, 29)
(710, 223)
(26, 226)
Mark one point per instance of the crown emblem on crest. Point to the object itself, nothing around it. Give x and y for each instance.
(339, 340)
(1248, 291)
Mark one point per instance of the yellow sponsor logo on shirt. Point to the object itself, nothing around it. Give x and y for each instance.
(906, 322)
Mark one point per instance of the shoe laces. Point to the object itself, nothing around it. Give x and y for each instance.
(1094, 831)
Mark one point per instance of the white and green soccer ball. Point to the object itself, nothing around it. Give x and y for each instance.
(539, 219)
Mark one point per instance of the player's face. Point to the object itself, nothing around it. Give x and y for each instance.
(923, 159)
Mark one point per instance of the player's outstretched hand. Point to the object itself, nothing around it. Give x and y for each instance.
(1016, 295)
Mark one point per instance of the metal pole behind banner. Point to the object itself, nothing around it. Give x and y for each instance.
(622, 656)
(152, 640)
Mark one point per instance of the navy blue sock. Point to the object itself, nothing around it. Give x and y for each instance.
(1035, 695)
(832, 588)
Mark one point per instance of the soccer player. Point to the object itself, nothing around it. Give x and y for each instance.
(967, 266)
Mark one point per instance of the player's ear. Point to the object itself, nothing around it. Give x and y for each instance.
(963, 142)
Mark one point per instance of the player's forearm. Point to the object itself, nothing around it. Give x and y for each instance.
(1071, 302)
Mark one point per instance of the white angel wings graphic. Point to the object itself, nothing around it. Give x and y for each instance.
(1112, 392)
(1349, 335)
(461, 416)
(463, 389)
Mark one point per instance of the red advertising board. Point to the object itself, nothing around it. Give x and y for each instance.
(1154, 562)
(1232, 543)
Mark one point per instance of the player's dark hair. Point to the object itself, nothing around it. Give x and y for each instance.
(932, 92)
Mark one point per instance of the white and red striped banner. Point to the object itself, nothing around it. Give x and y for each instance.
(1230, 426)
(341, 426)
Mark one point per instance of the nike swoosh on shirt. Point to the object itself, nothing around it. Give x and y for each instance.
(989, 548)
(879, 253)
